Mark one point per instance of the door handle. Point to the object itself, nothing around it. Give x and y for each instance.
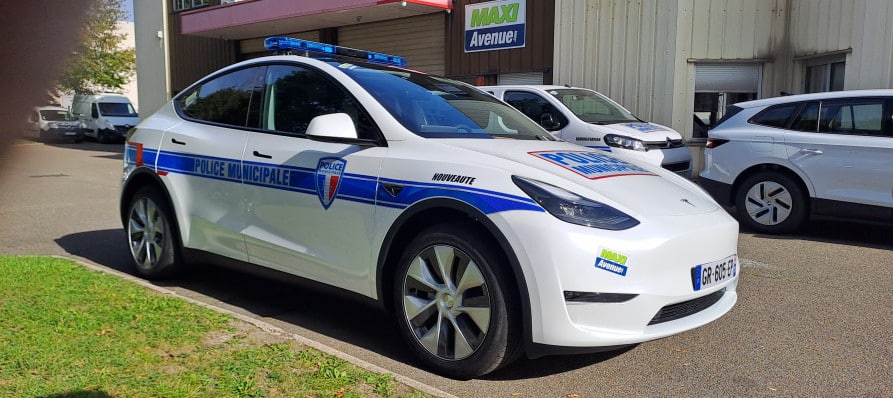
(174, 140)
(262, 155)
(812, 151)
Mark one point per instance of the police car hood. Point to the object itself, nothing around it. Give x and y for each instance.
(612, 179)
(647, 132)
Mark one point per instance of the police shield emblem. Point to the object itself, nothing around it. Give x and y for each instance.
(328, 179)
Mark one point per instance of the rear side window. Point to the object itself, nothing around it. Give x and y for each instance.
(808, 118)
(775, 116)
(225, 99)
(862, 117)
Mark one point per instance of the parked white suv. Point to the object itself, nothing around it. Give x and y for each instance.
(588, 118)
(782, 160)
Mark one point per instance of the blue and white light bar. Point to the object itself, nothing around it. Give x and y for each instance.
(281, 43)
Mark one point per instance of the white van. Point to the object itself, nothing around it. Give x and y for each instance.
(107, 117)
(588, 118)
(47, 123)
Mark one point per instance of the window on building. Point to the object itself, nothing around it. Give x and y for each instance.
(183, 5)
(824, 74)
(718, 85)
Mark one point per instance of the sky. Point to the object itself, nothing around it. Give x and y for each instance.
(128, 8)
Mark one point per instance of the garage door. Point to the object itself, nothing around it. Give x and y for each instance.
(253, 48)
(420, 39)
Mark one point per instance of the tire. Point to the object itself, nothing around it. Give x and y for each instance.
(151, 235)
(102, 137)
(772, 203)
(450, 285)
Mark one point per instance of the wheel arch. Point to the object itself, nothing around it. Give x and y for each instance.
(141, 178)
(438, 210)
(771, 167)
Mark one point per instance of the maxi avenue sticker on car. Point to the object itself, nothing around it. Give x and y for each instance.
(495, 25)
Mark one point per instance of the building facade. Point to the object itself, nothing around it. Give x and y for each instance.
(674, 62)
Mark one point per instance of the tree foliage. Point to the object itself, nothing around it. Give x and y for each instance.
(99, 63)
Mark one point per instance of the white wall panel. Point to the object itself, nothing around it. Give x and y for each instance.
(864, 26)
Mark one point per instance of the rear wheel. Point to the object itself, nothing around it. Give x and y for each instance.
(454, 304)
(150, 233)
(770, 202)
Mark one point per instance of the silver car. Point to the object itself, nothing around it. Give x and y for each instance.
(781, 161)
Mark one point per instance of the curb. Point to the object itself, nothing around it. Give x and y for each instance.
(268, 328)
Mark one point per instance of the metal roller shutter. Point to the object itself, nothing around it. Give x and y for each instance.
(727, 78)
(520, 78)
(420, 39)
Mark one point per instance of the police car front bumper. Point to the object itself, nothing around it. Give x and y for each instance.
(650, 270)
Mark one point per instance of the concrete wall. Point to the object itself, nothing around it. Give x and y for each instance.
(153, 76)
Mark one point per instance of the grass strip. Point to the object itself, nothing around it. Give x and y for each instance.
(67, 331)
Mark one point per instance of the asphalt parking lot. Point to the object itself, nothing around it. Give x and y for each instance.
(814, 316)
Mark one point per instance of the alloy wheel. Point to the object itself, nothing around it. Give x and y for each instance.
(768, 203)
(146, 232)
(446, 302)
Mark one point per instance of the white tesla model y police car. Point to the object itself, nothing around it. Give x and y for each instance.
(485, 236)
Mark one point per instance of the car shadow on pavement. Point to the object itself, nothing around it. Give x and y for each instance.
(301, 305)
(839, 232)
(546, 366)
(105, 247)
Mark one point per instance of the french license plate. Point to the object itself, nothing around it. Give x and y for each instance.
(711, 274)
(71, 133)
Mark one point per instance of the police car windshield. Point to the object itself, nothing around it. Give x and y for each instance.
(591, 107)
(434, 107)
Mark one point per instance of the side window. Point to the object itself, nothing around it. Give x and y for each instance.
(853, 117)
(295, 95)
(225, 99)
(534, 106)
(775, 116)
(807, 119)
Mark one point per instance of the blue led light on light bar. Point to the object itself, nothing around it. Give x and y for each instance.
(280, 43)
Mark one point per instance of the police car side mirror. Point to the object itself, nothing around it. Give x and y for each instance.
(333, 125)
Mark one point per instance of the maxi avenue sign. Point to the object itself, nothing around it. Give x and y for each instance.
(495, 25)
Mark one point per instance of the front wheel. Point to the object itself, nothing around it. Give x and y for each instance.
(770, 202)
(455, 306)
(150, 227)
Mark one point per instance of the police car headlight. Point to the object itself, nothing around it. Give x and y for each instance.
(575, 209)
(621, 141)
